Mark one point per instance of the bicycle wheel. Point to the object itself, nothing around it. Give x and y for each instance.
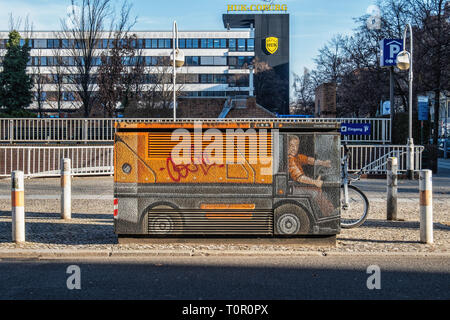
(356, 211)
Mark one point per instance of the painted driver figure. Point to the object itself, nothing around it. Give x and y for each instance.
(296, 163)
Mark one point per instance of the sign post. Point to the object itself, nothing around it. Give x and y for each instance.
(389, 49)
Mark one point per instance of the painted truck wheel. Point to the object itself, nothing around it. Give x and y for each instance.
(291, 220)
(163, 222)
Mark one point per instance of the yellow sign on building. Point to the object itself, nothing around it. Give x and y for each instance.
(259, 7)
(272, 45)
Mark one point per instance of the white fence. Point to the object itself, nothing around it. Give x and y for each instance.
(373, 158)
(37, 161)
(102, 129)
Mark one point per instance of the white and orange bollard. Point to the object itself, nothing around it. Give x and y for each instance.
(17, 207)
(66, 189)
(426, 206)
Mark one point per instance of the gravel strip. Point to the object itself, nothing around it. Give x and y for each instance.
(91, 228)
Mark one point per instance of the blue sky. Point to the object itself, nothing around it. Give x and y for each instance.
(313, 22)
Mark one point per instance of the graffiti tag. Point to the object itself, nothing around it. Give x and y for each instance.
(177, 172)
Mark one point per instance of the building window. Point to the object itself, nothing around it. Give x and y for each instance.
(207, 61)
(29, 41)
(250, 44)
(220, 61)
(192, 61)
(67, 44)
(53, 44)
(206, 78)
(220, 78)
(241, 44)
(40, 43)
(191, 78)
(106, 43)
(203, 43)
(182, 43)
(232, 44)
(43, 61)
(68, 96)
(164, 44)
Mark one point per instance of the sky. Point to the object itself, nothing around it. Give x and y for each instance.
(313, 22)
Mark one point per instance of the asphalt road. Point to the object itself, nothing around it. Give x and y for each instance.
(230, 278)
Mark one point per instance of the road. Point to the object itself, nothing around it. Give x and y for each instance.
(230, 278)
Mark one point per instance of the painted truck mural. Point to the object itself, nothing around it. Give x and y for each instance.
(268, 178)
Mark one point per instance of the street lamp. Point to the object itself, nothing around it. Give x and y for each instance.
(405, 62)
(177, 60)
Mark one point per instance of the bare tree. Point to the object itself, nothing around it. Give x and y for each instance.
(303, 93)
(81, 37)
(331, 61)
(432, 36)
(156, 95)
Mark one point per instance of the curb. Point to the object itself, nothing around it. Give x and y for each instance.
(108, 254)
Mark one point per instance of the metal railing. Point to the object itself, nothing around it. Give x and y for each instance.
(83, 130)
(373, 158)
(37, 161)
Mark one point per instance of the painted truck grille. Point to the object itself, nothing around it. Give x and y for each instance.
(160, 145)
(210, 222)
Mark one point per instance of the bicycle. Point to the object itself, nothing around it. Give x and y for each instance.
(354, 203)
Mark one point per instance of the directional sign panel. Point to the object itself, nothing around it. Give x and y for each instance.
(390, 48)
(356, 129)
(423, 108)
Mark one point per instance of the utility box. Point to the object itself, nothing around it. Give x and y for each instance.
(227, 177)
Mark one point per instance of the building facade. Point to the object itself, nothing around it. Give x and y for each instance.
(218, 64)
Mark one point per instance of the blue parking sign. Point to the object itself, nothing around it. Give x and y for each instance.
(390, 48)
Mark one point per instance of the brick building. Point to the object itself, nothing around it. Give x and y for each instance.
(325, 102)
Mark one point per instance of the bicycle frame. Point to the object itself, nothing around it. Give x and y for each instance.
(345, 180)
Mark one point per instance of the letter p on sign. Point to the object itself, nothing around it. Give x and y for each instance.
(393, 50)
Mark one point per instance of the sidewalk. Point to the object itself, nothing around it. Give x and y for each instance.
(91, 233)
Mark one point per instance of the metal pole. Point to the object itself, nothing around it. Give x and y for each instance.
(251, 81)
(392, 183)
(426, 206)
(391, 99)
(66, 189)
(17, 207)
(446, 126)
(410, 142)
(175, 40)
